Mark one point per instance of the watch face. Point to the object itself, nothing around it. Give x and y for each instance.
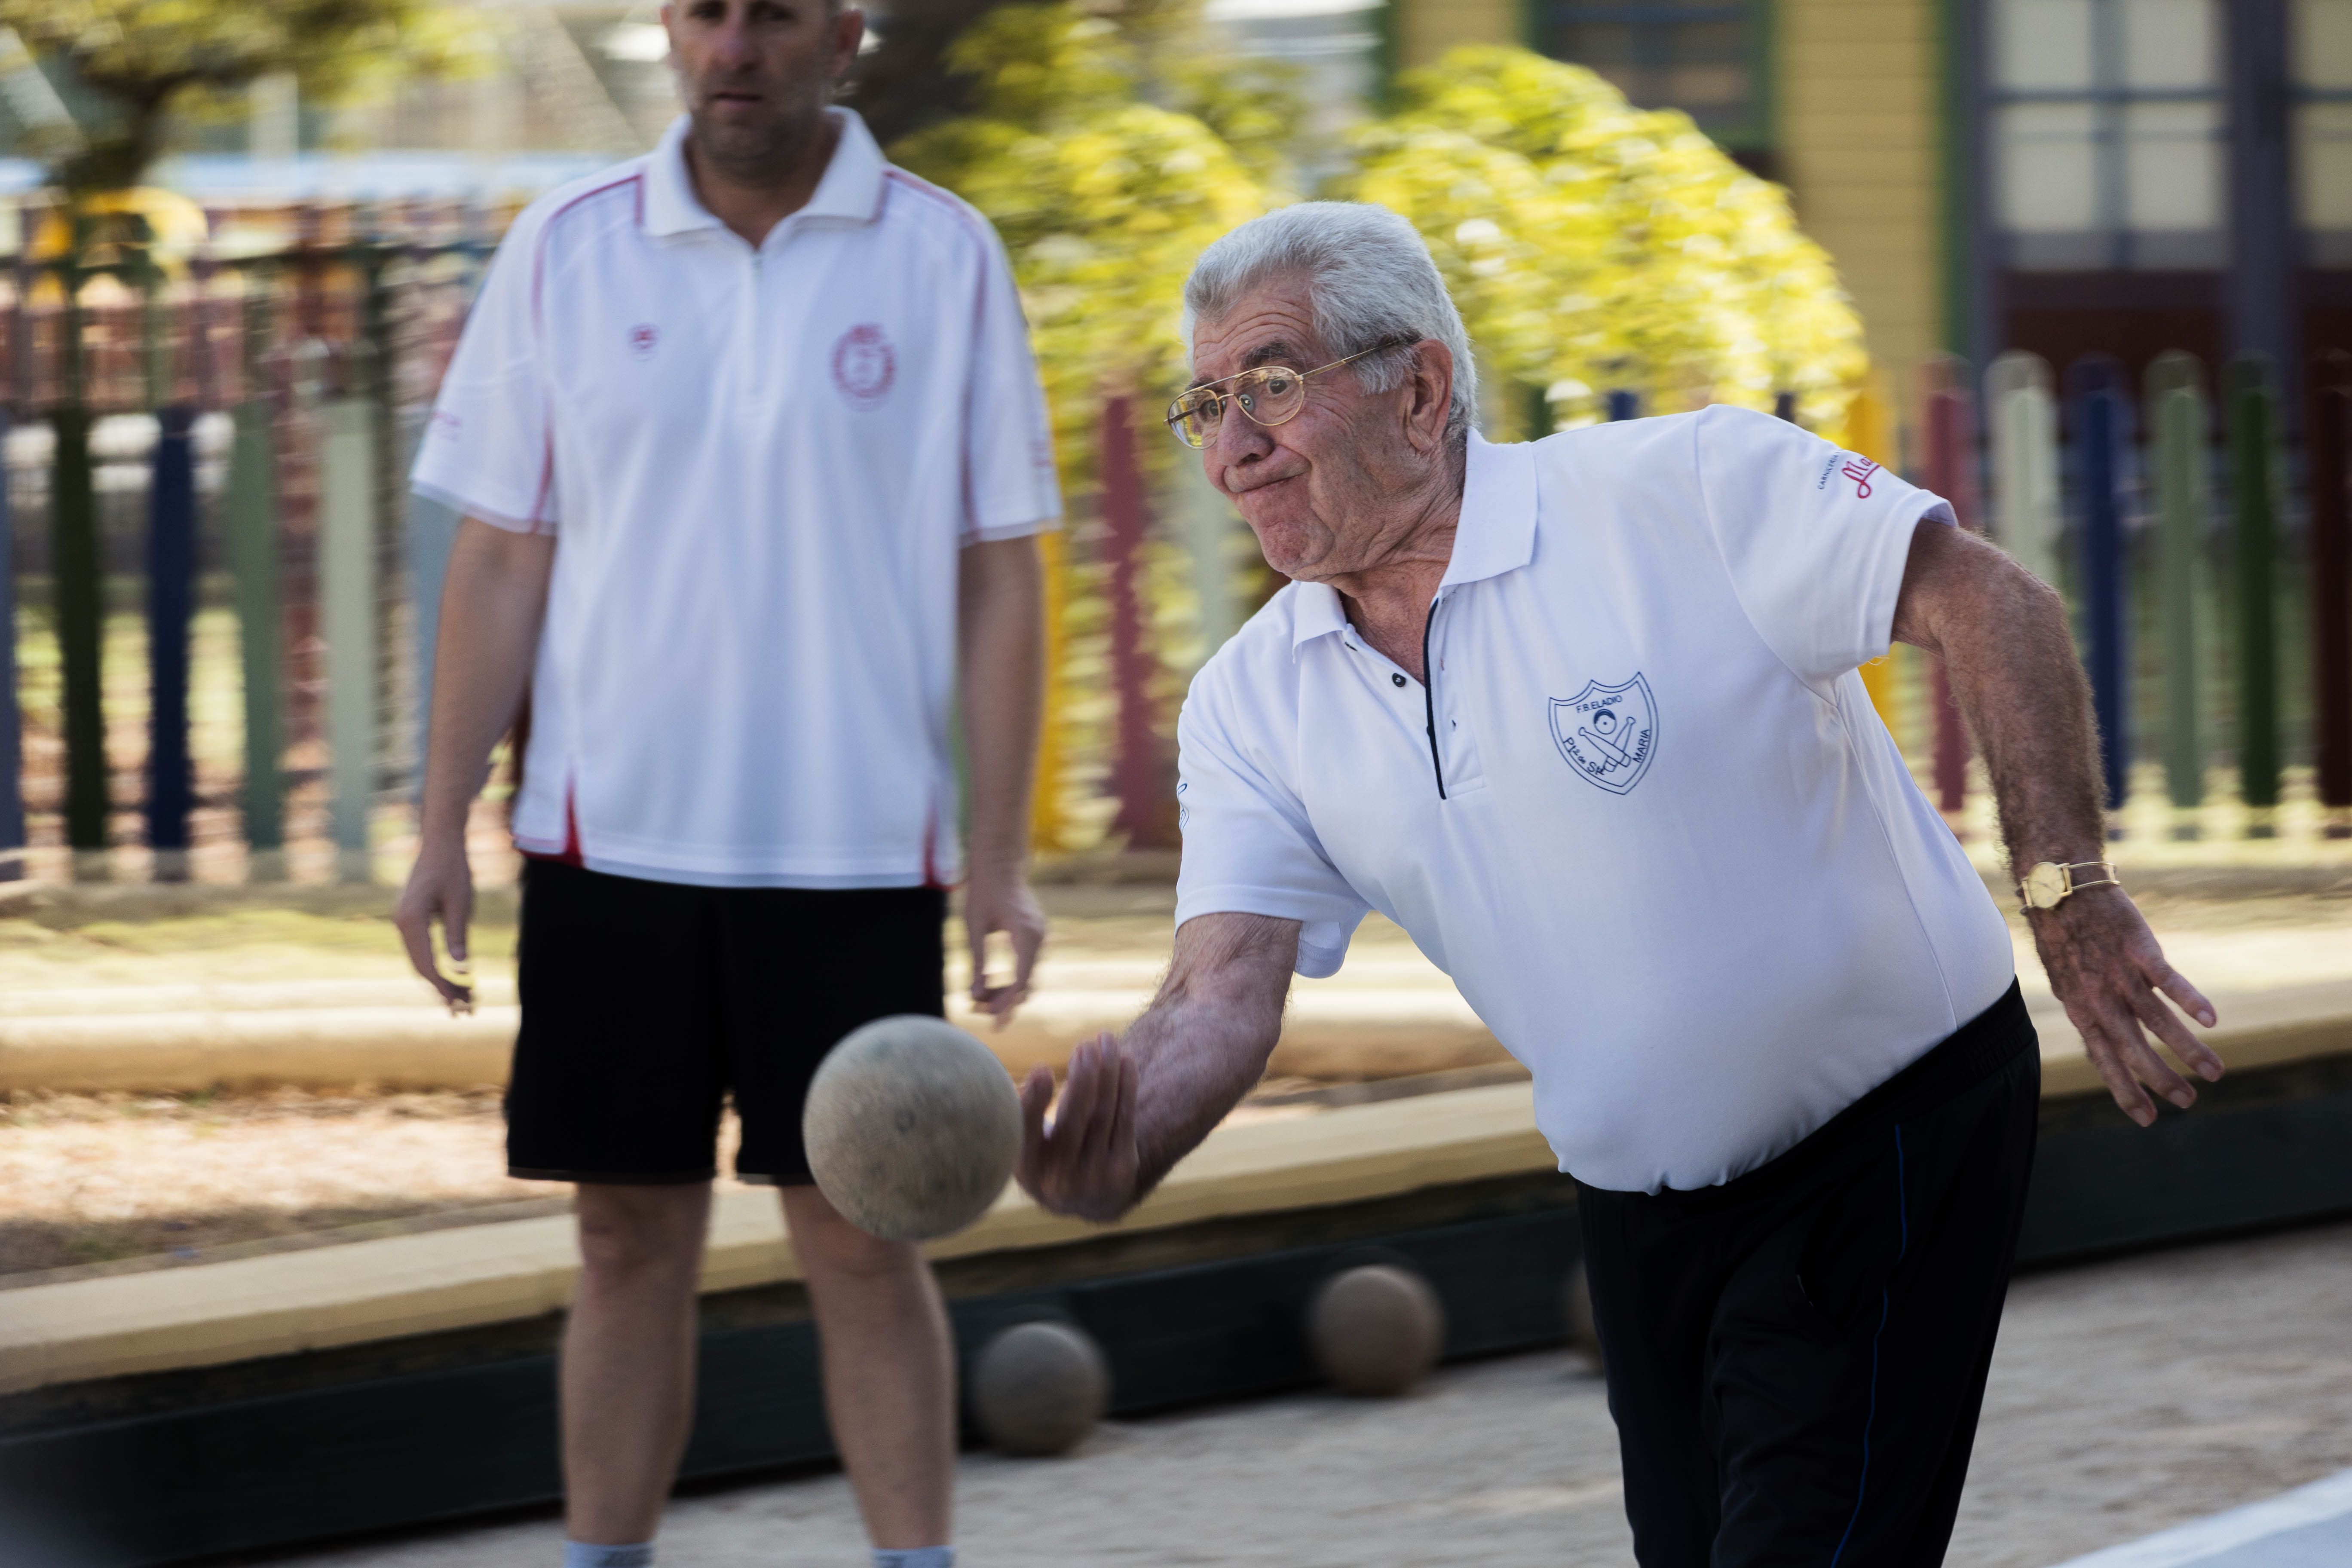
(2045, 885)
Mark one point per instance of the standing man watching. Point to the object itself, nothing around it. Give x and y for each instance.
(751, 448)
(1583, 717)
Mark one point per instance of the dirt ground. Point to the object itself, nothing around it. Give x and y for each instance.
(2127, 1397)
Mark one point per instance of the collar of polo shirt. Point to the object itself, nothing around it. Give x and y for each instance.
(1496, 533)
(850, 192)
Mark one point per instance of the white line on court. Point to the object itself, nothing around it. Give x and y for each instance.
(2207, 1538)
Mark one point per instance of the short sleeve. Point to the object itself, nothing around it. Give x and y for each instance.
(1815, 538)
(486, 450)
(1248, 845)
(1010, 452)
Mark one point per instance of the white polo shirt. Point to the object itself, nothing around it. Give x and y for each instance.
(760, 464)
(1645, 815)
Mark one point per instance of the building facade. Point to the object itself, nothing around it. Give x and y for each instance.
(2066, 176)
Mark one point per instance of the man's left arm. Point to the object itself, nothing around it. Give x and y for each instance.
(1000, 679)
(2002, 634)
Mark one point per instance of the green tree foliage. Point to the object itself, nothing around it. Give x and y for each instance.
(1108, 152)
(1593, 247)
(144, 59)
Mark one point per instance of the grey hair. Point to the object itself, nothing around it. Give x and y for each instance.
(1369, 277)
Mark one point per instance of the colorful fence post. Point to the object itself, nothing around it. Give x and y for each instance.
(2177, 426)
(347, 504)
(2330, 458)
(1139, 771)
(251, 508)
(1867, 432)
(12, 733)
(1624, 405)
(171, 610)
(1951, 473)
(2023, 433)
(2253, 519)
(432, 532)
(79, 601)
(2103, 436)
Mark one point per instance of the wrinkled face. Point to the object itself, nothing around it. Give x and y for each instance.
(756, 75)
(1312, 489)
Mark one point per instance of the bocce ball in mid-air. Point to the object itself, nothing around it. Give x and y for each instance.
(913, 1128)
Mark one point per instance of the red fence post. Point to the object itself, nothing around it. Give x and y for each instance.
(1139, 771)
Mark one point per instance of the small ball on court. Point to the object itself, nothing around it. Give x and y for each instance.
(1039, 1388)
(1376, 1330)
(913, 1128)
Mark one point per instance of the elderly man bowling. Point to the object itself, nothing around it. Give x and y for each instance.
(1583, 717)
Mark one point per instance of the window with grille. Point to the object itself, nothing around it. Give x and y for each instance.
(2320, 48)
(1705, 57)
(2109, 133)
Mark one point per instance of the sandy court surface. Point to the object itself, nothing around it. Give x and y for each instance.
(2127, 1397)
(102, 1180)
(91, 1180)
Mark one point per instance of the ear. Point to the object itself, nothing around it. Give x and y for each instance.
(848, 34)
(1429, 394)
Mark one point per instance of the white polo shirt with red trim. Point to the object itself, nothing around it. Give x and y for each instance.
(1643, 811)
(760, 464)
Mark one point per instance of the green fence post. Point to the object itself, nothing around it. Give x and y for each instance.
(251, 509)
(2021, 433)
(347, 503)
(12, 733)
(2253, 519)
(2178, 422)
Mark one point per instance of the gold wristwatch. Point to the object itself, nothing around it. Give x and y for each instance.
(2049, 884)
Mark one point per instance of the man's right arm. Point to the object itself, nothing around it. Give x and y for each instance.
(1131, 1109)
(492, 601)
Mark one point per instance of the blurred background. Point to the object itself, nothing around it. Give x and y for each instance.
(2084, 265)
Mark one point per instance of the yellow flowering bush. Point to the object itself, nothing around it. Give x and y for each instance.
(1108, 155)
(1595, 246)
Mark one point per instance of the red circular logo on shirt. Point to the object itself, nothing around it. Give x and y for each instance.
(642, 338)
(864, 367)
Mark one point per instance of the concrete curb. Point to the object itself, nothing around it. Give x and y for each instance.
(1366, 1033)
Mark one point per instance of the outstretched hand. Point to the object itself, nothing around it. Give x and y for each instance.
(2104, 965)
(1084, 1162)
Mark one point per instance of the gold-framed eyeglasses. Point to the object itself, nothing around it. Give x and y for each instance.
(1268, 394)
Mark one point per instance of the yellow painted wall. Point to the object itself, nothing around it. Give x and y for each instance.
(1859, 112)
(1427, 28)
(1857, 117)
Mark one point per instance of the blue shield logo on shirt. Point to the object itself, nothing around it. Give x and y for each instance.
(1608, 733)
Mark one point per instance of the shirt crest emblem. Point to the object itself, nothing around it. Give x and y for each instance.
(1609, 735)
(864, 366)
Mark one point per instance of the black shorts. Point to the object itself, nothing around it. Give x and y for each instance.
(1796, 1358)
(645, 1005)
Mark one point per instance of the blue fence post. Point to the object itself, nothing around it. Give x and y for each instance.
(11, 739)
(171, 609)
(1624, 405)
(2103, 430)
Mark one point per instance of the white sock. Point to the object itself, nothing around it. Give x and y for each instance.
(580, 1554)
(916, 1557)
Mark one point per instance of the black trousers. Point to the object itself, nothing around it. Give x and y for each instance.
(1796, 1358)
